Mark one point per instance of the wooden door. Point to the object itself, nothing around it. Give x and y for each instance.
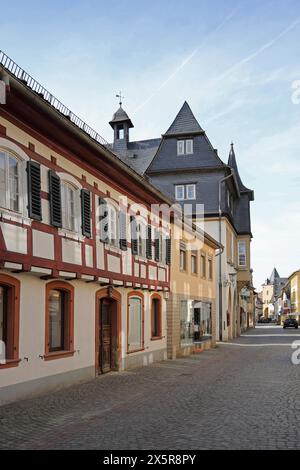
(105, 340)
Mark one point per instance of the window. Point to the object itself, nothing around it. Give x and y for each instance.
(182, 257)
(185, 147)
(180, 147)
(194, 262)
(179, 193)
(203, 265)
(210, 269)
(135, 323)
(141, 230)
(156, 328)
(120, 132)
(9, 321)
(112, 225)
(189, 147)
(191, 191)
(59, 319)
(187, 192)
(242, 253)
(70, 207)
(10, 182)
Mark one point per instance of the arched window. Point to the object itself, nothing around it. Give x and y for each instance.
(10, 181)
(70, 196)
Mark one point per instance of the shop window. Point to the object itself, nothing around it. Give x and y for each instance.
(195, 321)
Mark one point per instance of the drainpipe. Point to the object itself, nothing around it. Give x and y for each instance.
(220, 258)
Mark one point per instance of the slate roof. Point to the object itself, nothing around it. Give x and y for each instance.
(139, 154)
(120, 116)
(185, 122)
(233, 164)
(274, 275)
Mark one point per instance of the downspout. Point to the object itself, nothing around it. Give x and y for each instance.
(220, 258)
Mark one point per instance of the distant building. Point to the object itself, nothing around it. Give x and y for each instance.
(271, 290)
(184, 165)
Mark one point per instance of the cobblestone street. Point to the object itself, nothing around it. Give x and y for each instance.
(241, 395)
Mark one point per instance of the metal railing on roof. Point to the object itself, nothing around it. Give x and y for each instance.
(25, 78)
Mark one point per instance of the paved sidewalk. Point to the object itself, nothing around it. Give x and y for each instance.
(236, 397)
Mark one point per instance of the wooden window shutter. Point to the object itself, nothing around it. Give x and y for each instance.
(103, 220)
(149, 242)
(134, 241)
(168, 251)
(86, 213)
(34, 190)
(123, 230)
(55, 199)
(157, 245)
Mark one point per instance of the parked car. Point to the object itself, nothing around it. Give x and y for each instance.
(290, 323)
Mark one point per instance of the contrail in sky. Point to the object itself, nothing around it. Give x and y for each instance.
(260, 50)
(187, 60)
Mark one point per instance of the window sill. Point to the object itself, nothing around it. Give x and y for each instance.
(58, 355)
(70, 235)
(10, 363)
(136, 351)
(113, 249)
(157, 338)
(6, 214)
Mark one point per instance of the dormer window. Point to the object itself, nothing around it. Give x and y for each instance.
(185, 147)
(120, 132)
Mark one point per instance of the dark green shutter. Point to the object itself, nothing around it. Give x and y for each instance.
(149, 242)
(123, 230)
(168, 250)
(134, 242)
(34, 190)
(103, 220)
(157, 245)
(55, 199)
(86, 213)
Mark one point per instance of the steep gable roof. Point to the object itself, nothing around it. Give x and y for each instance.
(233, 165)
(185, 122)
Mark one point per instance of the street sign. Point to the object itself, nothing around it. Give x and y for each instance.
(2, 92)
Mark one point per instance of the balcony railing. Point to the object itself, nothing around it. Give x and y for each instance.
(31, 83)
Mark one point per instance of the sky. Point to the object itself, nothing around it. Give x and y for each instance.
(237, 63)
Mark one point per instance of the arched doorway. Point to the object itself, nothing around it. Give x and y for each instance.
(266, 312)
(108, 330)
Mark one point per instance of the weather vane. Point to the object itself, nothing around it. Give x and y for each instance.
(120, 98)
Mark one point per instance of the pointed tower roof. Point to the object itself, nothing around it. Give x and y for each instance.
(185, 122)
(120, 116)
(233, 165)
(274, 276)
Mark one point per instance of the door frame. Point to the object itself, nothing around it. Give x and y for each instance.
(110, 294)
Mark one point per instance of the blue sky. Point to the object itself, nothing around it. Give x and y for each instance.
(234, 61)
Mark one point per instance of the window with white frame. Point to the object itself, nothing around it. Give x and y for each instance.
(242, 250)
(163, 248)
(179, 192)
(185, 147)
(70, 198)
(141, 232)
(10, 181)
(189, 147)
(185, 192)
(112, 222)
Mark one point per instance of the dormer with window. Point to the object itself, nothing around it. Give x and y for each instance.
(185, 147)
